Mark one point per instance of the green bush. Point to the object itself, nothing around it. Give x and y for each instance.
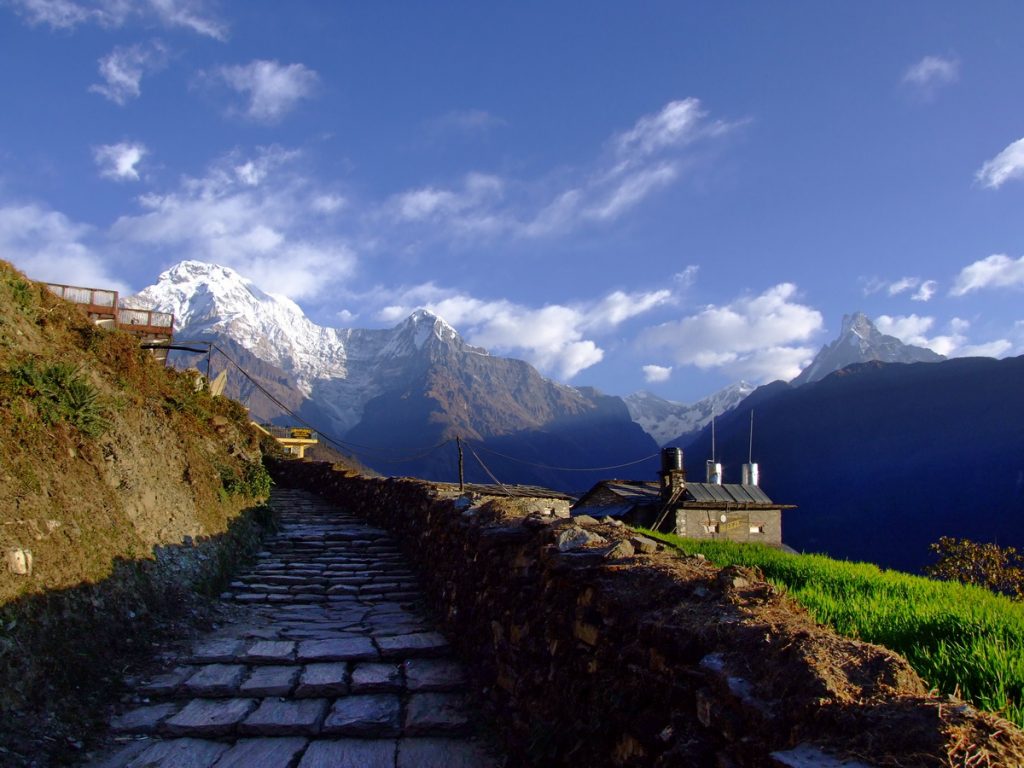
(60, 393)
(253, 481)
(960, 638)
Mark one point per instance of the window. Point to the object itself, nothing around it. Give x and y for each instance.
(757, 529)
(710, 527)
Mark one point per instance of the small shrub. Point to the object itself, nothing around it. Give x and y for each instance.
(60, 393)
(254, 481)
(1000, 569)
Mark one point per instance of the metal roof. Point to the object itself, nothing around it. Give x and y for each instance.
(611, 510)
(729, 493)
(635, 493)
(634, 490)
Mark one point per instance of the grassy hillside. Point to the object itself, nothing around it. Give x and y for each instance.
(129, 487)
(960, 639)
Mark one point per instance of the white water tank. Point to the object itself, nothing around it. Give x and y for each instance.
(714, 472)
(751, 476)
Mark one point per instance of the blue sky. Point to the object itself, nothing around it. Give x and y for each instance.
(670, 196)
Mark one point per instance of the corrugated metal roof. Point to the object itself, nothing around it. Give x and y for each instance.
(617, 510)
(634, 490)
(729, 493)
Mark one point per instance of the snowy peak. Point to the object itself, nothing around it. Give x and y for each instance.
(665, 420)
(861, 342)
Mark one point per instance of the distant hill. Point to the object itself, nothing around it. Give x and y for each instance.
(883, 459)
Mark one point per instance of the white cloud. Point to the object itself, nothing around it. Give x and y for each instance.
(468, 122)
(553, 338)
(345, 316)
(654, 374)
(250, 214)
(119, 161)
(1007, 165)
(47, 245)
(687, 277)
(68, 14)
(931, 73)
(996, 271)
(328, 203)
(925, 291)
(759, 337)
(123, 68)
(635, 164)
(273, 89)
(912, 329)
(678, 123)
(903, 284)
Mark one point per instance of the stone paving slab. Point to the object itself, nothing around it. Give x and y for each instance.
(419, 644)
(263, 753)
(433, 675)
(344, 649)
(442, 753)
(323, 680)
(217, 650)
(428, 714)
(209, 717)
(216, 680)
(270, 651)
(277, 717)
(370, 677)
(350, 753)
(270, 681)
(143, 719)
(376, 715)
(178, 753)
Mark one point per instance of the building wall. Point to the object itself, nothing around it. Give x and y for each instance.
(760, 525)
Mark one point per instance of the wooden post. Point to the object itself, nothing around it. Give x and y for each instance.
(462, 476)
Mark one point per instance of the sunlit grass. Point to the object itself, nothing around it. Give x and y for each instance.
(960, 639)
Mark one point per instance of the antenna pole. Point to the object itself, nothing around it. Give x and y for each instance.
(750, 452)
(462, 477)
(712, 436)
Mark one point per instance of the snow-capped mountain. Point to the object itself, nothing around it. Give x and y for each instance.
(395, 392)
(352, 364)
(861, 342)
(665, 420)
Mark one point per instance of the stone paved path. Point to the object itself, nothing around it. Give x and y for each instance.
(331, 666)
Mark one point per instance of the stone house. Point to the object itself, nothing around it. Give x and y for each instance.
(708, 510)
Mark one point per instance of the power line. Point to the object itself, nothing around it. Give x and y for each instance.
(352, 447)
(567, 469)
(489, 473)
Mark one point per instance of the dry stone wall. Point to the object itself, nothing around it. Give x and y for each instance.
(596, 647)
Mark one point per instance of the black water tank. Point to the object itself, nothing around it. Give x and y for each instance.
(671, 459)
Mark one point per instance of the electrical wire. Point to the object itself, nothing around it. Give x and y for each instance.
(567, 469)
(489, 473)
(351, 447)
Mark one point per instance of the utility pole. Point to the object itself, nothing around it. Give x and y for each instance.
(462, 476)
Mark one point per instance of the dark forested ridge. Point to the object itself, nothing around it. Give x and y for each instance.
(883, 459)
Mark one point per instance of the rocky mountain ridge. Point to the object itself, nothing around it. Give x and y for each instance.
(666, 420)
(860, 341)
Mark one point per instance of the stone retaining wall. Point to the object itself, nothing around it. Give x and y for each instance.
(595, 647)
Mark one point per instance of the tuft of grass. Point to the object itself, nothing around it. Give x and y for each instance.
(60, 393)
(960, 639)
(253, 481)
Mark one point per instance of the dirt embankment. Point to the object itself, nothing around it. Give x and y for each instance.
(122, 486)
(599, 648)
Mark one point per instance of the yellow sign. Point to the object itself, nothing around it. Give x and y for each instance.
(301, 434)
